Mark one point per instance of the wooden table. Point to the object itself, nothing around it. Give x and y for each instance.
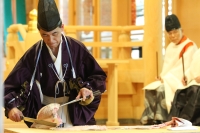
(114, 129)
(112, 89)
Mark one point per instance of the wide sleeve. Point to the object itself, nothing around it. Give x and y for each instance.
(194, 69)
(86, 67)
(17, 84)
(94, 78)
(93, 74)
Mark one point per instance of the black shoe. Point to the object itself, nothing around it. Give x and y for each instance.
(158, 122)
(149, 122)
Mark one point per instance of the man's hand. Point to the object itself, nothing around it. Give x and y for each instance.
(84, 93)
(159, 78)
(184, 81)
(15, 114)
(197, 79)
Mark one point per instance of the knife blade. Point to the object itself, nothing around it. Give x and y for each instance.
(42, 122)
(73, 101)
(95, 93)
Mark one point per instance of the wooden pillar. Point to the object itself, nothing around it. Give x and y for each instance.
(166, 7)
(96, 21)
(14, 11)
(133, 12)
(112, 95)
(114, 23)
(175, 6)
(35, 4)
(118, 10)
(124, 53)
(166, 13)
(152, 38)
(72, 13)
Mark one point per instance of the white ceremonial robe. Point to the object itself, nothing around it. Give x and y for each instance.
(172, 71)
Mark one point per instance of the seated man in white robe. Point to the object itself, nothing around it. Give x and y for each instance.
(159, 94)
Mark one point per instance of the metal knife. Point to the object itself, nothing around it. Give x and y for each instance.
(73, 101)
(95, 93)
(42, 122)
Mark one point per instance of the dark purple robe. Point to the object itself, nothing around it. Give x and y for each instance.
(86, 67)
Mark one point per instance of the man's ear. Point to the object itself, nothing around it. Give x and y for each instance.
(62, 26)
(181, 29)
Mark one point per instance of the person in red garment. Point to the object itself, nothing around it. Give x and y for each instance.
(56, 69)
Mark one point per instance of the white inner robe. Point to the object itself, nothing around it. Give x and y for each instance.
(63, 111)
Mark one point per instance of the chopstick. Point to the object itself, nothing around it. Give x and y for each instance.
(184, 70)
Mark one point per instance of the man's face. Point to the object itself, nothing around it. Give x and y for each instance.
(52, 38)
(175, 35)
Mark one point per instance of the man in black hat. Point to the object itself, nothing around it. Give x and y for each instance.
(159, 94)
(55, 69)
